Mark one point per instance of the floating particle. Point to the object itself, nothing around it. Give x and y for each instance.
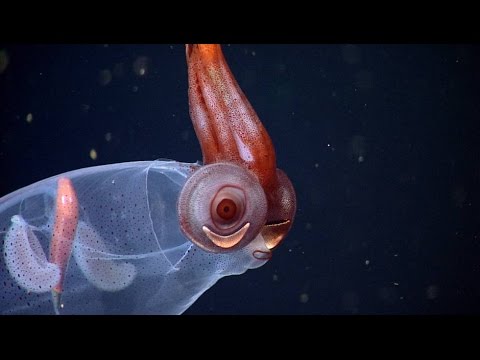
(275, 277)
(304, 298)
(108, 136)
(93, 154)
(358, 148)
(367, 262)
(104, 77)
(141, 65)
(29, 118)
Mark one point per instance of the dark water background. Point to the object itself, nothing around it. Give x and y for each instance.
(380, 141)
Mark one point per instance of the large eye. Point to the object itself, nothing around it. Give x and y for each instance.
(222, 207)
(282, 204)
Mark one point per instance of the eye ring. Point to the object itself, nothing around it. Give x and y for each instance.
(223, 198)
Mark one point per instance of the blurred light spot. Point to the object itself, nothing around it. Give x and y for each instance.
(358, 148)
(29, 118)
(93, 154)
(4, 60)
(85, 107)
(254, 53)
(432, 292)
(104, 77)
(275, 277)
(108, 136)
(395, 283)
(316, 165)
(141, 65)
(304, 298)
(135, 88)
(351, 54)
(308, 226)
(367, 262)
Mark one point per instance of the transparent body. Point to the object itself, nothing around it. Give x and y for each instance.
(128, 255)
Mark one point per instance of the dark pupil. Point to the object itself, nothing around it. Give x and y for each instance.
(226, 209)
